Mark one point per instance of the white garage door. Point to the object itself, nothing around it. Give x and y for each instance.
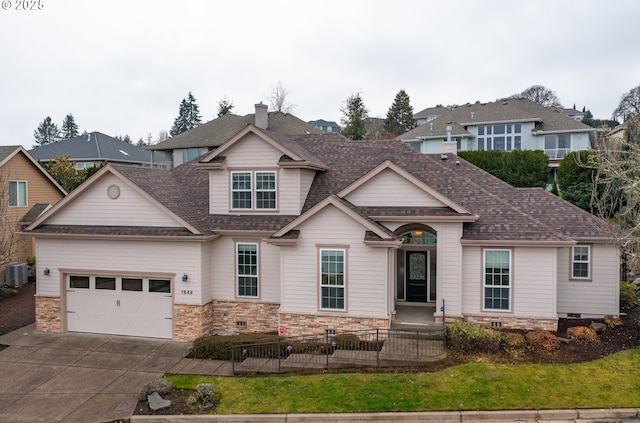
(133, 306)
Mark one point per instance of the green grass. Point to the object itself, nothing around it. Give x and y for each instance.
(613, 381)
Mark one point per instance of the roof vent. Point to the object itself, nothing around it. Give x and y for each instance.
(472, 114)
(431, 126)
(457, 162)
(443, 157)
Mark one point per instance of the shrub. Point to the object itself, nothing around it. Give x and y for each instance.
(219, 347)
(512, 341)
(628, 295)
(582, 334)
(612, 321)
(161, 386)
(205, 396)
(346, 341)
(466, 337)
(542, 339)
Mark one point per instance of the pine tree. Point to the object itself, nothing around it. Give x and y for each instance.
(47, 132)
(354, 112)
(69, 127)
(188, 116)
(400, 115)
(225, 106)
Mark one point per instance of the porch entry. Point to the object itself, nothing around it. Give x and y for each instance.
(416, 267)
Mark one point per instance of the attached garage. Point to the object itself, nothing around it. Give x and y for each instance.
(119, 305)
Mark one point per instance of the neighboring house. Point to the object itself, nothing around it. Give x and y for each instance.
(94, 149)
(309, 233)
(27, 190)
(508, 124)
(572, 113)
(325, 125)
(195, 142)
(617, 133)
(429, 114)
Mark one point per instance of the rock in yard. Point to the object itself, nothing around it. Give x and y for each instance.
(598, 327)
(156, 402)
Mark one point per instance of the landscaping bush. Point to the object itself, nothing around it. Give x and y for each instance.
(466, 337)
(542, 339)
(346, 341)
(205, 396)
(628, 296)
(612, 321)
(218, 347)
(161, 386)
(512, 341)
(582, 334)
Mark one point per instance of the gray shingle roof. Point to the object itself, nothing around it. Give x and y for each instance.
(6, 151)
(215, 132)
(504, 213)
(96, 146)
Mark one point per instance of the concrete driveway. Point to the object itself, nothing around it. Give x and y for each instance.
(72, 377)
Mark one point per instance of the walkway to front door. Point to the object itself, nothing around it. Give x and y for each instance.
(414, 317)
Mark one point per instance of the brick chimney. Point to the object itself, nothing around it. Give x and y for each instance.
(262, 119)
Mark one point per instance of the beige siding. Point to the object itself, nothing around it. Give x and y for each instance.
(471, 280)
(122, 256)
(39, 190)
(94, 207)
(390, 189)
(595, 298)
(367, 271)
(223, 282)
(449, 259)
(252, 154)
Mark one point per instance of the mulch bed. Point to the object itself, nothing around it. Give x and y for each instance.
(17, 307)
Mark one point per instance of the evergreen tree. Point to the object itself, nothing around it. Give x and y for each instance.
(224, 106)
(188, 116)
(69, 127)
(354, 112)
(400, 115)
(588, 118)
(47, 132)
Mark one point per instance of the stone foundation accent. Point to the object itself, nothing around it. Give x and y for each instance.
(234, 317)
(306, 324)
(48, 314)
(191, 321)
(514, 322)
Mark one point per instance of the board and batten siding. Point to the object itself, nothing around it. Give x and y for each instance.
(121, 256)
(366, 268)
(389, 189)
(591, 298)
(95, 207)
(223, 269)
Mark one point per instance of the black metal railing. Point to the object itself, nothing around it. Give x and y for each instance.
(375, 347)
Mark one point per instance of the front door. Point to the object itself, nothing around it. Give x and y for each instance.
(417, 275)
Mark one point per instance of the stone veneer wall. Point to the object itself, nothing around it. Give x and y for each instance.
(514, 322)
(48, 314)
(303, 324)
(233, 317)
(191, 321)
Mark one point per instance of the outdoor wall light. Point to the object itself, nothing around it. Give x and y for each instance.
(46, 271)
(185, 277)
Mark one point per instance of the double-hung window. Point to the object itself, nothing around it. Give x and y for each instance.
(253, 190)
(17, 193)
(497, 280)
(247, 269)
(332, 279)
(581, 262)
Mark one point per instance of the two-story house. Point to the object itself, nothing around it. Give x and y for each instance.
(325, 125)
(313, 232)
(506, 125)
(26, 190)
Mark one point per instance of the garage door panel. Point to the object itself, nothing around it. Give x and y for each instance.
(127, 309)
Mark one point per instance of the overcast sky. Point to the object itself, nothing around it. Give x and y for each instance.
(123, 66)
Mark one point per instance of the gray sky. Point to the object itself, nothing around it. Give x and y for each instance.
(123, 66)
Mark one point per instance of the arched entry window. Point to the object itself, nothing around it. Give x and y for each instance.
(416, 265)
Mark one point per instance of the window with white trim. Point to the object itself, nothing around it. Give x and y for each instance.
(502, 137)
(581, 262)
(497, 280)
(189, 154)
(18, 194)
(84, 165)
(253, 190)
(332, 279)
(247, 269)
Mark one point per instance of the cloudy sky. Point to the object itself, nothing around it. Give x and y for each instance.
(123, 66)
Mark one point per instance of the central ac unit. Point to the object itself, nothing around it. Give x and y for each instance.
(16, 274)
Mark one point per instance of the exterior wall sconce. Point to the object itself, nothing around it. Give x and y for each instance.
(185, 277)
(46, 271)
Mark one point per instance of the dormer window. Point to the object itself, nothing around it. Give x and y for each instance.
(253, 190)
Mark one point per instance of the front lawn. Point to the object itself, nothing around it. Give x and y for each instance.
(610, 382)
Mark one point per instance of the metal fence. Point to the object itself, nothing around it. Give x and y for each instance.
(375, 347)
